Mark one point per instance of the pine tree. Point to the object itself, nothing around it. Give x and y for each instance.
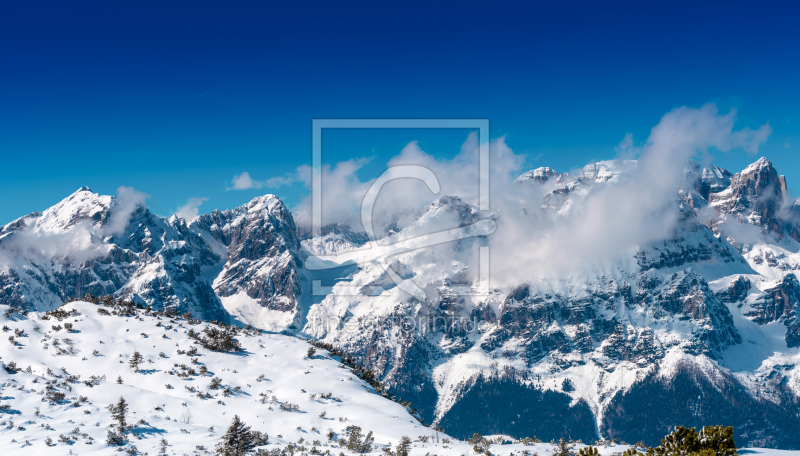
(403, 446)
(136, 359)
(237, 441)
(118, 412)
(563, 449)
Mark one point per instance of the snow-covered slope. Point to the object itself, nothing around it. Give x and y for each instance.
(84, 352)
(270, 370)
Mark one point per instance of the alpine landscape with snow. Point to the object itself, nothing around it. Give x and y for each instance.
(625, 297)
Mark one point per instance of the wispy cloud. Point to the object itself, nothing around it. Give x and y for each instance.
(210, 91)
(127, 201)
(245, 182)
(192, 207)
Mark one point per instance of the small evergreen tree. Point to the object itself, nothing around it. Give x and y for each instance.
(237, 441)
(115, 438)
(354, 440)
(403, 446)
(119, 412)
(588, 451)
(563, 449)
(135, 361)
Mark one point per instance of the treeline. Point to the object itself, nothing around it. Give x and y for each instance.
(502, 404)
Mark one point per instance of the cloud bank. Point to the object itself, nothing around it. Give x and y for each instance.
(597, 222)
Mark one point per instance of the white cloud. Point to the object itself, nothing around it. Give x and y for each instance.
(127, 201)
(302, 174)
(626, 150)
(606, 221)
(245, 182)
(192, 207)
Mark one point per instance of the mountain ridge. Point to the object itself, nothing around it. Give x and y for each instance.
(715, 299)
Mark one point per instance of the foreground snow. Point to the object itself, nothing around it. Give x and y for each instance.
(271, 370)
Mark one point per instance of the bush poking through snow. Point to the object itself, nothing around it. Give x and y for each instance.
(217, 339)
(711, 440)
(588, 451)
(118, 413)
(356, 441)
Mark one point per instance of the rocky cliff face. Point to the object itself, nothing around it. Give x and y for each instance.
(757, 196)
(260, 263)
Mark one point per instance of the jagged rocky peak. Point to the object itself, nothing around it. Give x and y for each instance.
(759, 196)
(759, 179)
(718, 179)
(707, 179)
(79, 206)
(539, 175)
(261, 260)
(759, 182)
(233, 226)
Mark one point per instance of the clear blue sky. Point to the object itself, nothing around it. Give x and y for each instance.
(174, 98)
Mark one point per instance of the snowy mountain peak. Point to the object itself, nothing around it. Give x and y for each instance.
(79, 206)
(757, 165)
(540, 175)
(606, 170)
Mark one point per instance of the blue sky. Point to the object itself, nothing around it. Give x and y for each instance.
(175, 98)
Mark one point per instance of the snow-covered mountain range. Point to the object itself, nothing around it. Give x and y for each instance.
(697, 324)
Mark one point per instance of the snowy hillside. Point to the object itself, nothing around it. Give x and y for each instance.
(62, 370)
(170, 393)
